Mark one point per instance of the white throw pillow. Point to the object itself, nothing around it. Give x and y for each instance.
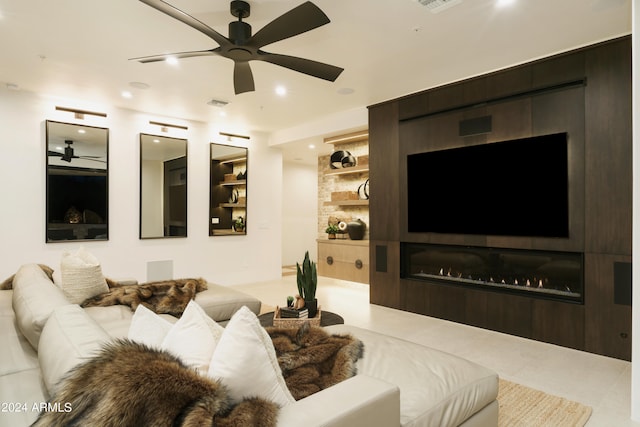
(193, 338)
(148, 328)
(245, 361)
(81, 276)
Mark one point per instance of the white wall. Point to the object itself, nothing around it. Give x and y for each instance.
(223, 259)
(635, 322)
(299, 212)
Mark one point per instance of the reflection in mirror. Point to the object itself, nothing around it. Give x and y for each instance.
(77, 182)
(228, 191)
(163, 187)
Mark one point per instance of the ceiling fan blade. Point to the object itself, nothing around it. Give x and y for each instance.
(92, 159)
(305, 66)
(54, 153)
(298, 20)
(180, 55)
(176, 13)
(243, 77)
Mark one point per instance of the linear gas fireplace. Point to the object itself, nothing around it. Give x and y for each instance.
(542, 274)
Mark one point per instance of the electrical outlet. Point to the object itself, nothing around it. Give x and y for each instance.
(215, 220)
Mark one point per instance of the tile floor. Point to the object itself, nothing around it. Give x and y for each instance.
(600, 382)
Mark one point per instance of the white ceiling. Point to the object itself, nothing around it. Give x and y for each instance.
(80, 49)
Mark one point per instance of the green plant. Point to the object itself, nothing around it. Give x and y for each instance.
(307, 278)
(332, 229)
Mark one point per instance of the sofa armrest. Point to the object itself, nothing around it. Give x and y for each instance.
(360, 401)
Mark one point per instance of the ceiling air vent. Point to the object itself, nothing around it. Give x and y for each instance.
(437, 6)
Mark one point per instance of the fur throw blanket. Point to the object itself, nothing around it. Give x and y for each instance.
(312, 360)
(164, 297)
(129, 384)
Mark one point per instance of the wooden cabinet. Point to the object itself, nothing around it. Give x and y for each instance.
(344, 259)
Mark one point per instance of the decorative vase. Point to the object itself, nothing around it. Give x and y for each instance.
(356, 229)
(331, 236)
(312, 306)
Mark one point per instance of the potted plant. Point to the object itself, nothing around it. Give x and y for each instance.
(332, 230)
(238, 224)
(307, 279)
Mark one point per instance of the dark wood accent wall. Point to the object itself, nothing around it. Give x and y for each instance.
(587, 93)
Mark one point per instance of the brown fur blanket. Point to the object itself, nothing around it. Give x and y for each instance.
(168, 296)
(129, 384)
(312, 360)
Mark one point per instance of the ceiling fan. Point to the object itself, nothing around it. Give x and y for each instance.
(69, 154)
(241, 46)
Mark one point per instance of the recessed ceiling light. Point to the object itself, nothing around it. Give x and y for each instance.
(139, 85)
(346, 91)
(82, 131)
(172, 60)
(127, 94)
(217, 103)
(504, 3)
(281, 90)
(311, 146)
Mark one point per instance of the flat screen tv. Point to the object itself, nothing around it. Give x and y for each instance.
(510, 188)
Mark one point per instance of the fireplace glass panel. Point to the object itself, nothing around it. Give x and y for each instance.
(543, 274)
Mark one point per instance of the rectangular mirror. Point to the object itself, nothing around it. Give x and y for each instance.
(228, 190)
(163, 187)
(77, 182)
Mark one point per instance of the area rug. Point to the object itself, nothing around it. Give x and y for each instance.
(522, 406)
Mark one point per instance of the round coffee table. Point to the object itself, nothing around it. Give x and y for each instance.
(327, 319)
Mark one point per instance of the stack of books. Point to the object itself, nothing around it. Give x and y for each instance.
(292, 313)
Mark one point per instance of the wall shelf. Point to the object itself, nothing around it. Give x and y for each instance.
(233, 205)
(347, 203)
(231, 183)
(352, 169)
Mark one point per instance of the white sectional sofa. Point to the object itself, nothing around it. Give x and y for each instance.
(398, 383)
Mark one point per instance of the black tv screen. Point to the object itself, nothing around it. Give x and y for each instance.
(510, 188)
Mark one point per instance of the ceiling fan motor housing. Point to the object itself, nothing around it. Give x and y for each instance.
(240, 32)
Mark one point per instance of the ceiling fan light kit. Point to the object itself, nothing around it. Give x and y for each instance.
(241, 46)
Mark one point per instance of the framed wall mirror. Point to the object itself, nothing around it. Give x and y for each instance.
(77, 202)
(228, 190)
(163, 187)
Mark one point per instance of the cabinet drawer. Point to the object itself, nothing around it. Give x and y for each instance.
(344, 261)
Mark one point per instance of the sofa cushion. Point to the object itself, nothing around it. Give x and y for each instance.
(17, 354)
(148, 328)
(34, 299)
(193, 338)
(81, 276)
(69, 337)
(221, 302)
(436, 388)
(245, 361)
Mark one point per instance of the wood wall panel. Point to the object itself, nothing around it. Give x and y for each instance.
(509, 314)
(588, 94)
(608, 149)
(558, 323)
(383, 172)
(607, 325)
(384, 286)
